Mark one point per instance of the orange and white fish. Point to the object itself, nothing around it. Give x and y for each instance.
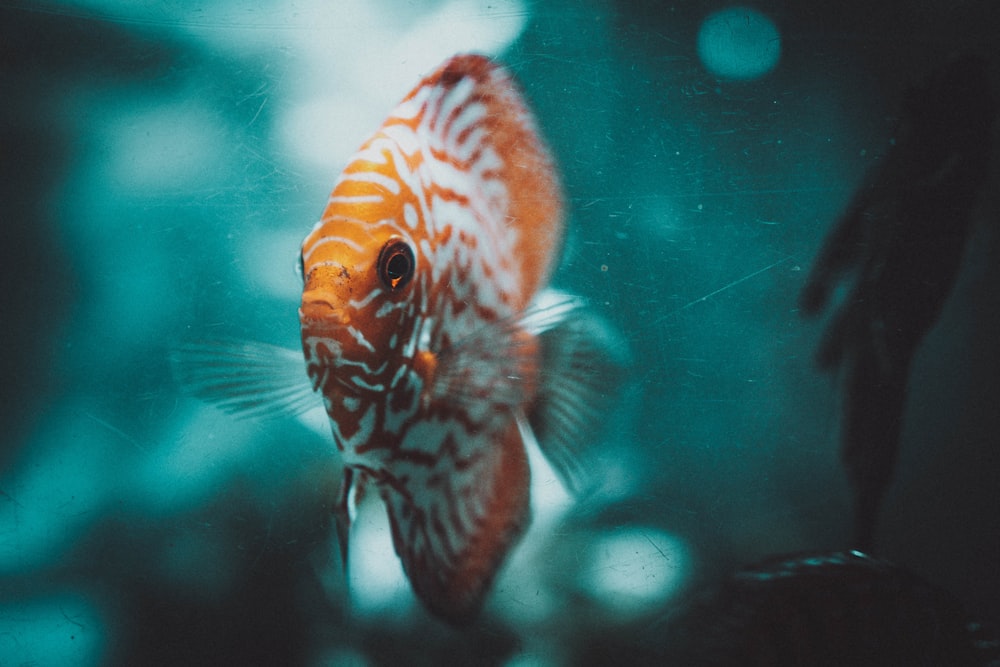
(429, 334)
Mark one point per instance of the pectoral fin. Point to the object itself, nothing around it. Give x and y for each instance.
(582, 368)
(245, 378)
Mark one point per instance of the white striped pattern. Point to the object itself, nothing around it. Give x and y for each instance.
(434, 170)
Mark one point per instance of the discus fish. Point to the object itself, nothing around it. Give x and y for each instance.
(429, 333)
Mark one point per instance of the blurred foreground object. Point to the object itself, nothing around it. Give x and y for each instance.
(900, 245)
(840, 608)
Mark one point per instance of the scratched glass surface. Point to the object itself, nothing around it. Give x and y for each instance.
(161, 164)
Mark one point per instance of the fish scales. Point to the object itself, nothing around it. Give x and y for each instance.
(457, 174)
(429, 333)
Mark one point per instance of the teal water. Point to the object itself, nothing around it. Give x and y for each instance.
(160, 166)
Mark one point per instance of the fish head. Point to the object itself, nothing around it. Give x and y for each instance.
(362, 287)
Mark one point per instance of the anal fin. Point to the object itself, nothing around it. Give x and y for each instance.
(453, 538)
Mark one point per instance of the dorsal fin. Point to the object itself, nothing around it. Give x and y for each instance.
(482, 124)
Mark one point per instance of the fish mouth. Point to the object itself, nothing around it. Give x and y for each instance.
(319, 312)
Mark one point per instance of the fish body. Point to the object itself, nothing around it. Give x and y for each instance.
(436, 237)
(429, 333)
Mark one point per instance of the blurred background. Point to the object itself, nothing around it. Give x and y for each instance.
(159, 166)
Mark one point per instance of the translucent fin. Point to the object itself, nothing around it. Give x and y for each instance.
(582, 367)
(245, 378)
(498, 363)
(344, 513)
(558, 351)
(454, 533)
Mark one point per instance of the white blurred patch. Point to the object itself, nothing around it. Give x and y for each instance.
(376, 580)
(349, 81)
(634, 569)
(317, 421)
(323, 130)
(267, 261)
(338, 68)
(522, 592)
(550, 500)
(164, 147)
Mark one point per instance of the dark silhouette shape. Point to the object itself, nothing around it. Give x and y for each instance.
(901, 242)
(839, 608)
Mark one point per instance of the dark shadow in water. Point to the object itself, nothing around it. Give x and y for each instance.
(44, 58)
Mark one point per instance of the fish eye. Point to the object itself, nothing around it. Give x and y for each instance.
(396, 264)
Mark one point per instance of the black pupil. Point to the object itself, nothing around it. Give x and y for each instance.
(396, 265)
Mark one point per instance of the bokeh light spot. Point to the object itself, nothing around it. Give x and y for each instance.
(376, 579)
(739, 43)
(634, 569)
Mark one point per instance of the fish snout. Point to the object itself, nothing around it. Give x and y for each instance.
(320, 310)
